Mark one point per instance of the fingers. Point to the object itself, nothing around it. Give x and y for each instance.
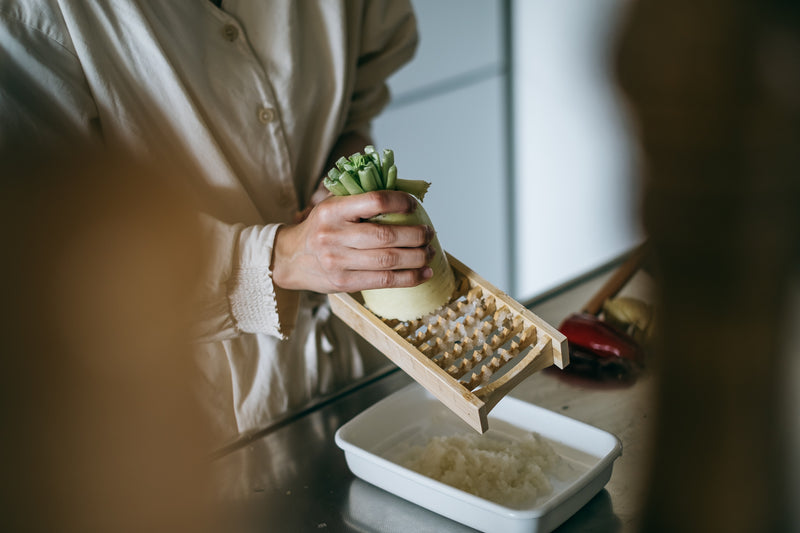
(334, 249)
(351, 281)
(365, 206)
(344, 218)
(378, 259)
(367, 235)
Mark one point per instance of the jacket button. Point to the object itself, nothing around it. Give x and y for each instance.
(230, 32)
(266, 114)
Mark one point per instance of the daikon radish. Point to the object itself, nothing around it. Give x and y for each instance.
(368, 172)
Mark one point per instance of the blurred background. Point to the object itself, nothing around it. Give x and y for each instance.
(509, 92)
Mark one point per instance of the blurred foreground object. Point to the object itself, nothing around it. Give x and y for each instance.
(714, 88)
(101, 431)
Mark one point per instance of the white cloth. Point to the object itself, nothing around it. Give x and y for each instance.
(242, 106)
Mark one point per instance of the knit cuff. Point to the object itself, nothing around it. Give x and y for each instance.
(257, 305)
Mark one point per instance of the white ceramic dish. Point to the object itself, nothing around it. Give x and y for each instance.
(374, 441)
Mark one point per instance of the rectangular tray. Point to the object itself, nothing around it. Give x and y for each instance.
(469, 378)
(411, 416)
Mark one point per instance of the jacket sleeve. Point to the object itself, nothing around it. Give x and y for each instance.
(388, 40)
(237, 294)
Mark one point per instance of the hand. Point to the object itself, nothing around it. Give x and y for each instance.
(319, 195)
(335, 249)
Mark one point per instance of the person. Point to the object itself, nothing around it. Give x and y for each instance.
(714, 91)
(243, 105)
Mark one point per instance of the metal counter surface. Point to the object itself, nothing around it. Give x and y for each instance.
(293, 477)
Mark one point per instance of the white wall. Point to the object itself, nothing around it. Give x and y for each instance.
(566, 202)
(576, 198)
(447, 125)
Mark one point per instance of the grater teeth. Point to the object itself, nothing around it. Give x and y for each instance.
(471, 338)
(469, 353)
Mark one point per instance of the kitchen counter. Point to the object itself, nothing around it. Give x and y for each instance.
(292, 477)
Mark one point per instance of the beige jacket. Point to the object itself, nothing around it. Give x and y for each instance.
(241, 105)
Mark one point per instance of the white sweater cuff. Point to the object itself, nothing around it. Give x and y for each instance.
(257, 305)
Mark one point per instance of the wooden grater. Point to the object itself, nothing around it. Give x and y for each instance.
(468, 354)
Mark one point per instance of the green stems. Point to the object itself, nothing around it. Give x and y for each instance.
(366, 172)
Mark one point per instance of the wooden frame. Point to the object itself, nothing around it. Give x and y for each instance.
(503, 344)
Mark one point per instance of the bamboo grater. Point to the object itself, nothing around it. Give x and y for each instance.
(468, 354)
